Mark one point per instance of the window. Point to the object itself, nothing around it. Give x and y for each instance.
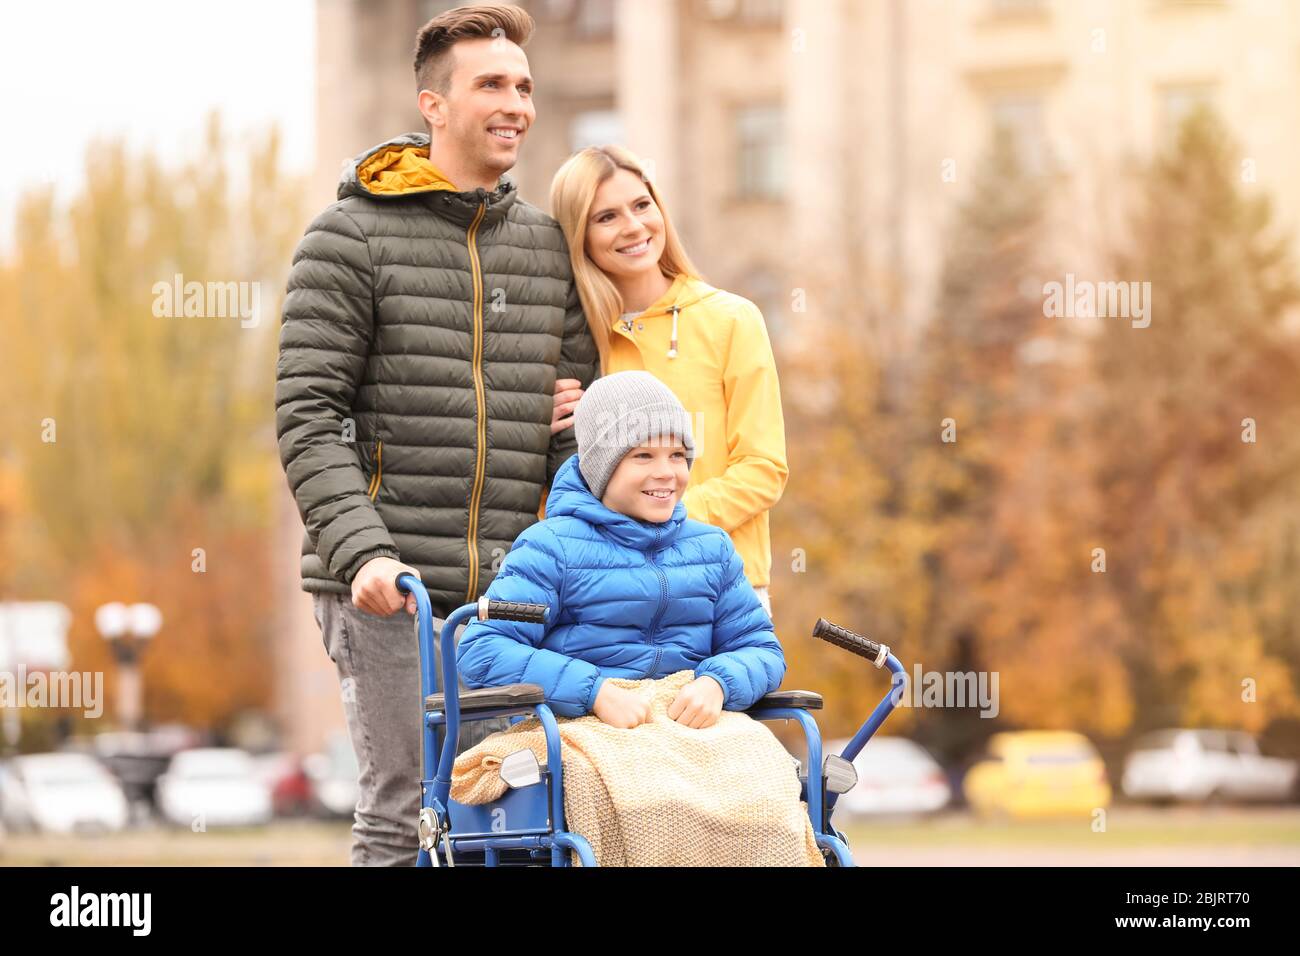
(595, 128)
(1243, 745)
(1213, 741)
(593, 19)
(431, 8)
(1016, 8)
(760, 153)
(747, 12)
(762, 12)
(1020, 117)
(558, 9)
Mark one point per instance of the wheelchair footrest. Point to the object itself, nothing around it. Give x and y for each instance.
(490, 698)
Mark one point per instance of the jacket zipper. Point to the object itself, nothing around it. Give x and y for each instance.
(476, 492)
(379, 471)
(663, 604)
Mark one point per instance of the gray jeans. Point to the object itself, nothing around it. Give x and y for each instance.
(378, 660)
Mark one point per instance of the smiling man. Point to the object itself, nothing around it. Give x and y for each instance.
(430, 315)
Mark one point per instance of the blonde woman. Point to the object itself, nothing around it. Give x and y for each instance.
(648, 308)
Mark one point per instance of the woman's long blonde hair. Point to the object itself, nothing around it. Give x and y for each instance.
(573, 190)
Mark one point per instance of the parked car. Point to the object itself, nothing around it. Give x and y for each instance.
(291, 788)
(335, 778)
(137, 763)
(217, 786)
(1200, 765)
(1037, 773)
(62, 793)
(895, 776)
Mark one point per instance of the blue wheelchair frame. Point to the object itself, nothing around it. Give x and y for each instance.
(537, 825)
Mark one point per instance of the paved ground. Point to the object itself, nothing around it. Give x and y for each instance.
(1133, 836)
(288, 843)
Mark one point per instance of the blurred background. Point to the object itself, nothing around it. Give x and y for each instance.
(1091, 509)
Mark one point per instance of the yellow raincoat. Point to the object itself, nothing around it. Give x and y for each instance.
(725, 375)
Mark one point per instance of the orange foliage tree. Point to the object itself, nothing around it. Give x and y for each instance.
(142, 434)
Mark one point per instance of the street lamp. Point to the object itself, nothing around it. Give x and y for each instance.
(128, 630)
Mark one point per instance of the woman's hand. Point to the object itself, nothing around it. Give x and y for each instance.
(699, 703)
(567, 393)
(620, 708)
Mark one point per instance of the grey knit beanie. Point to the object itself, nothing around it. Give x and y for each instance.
(619, 412)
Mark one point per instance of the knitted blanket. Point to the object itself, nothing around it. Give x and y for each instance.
(663, 794)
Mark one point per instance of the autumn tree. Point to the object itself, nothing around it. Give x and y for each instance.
(138, 421)
(1197, 438)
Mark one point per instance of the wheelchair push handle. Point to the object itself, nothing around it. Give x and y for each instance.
(488, 610)
(852, 642)
(511, 611)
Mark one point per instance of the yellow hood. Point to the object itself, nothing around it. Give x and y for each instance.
(401, 169)
(683, 292)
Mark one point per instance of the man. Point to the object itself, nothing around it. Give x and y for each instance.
(432, 343)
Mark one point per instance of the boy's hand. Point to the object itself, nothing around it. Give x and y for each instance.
(620, 708)
(699, 703)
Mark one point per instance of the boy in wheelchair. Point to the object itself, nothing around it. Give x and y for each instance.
(644, 597)
(636, 589)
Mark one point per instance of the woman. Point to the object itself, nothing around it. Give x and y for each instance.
(648, 308)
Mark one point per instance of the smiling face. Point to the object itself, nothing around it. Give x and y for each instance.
(625, 230)
(488, 108)
(649, 480)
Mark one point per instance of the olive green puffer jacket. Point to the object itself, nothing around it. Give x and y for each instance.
(423, 331)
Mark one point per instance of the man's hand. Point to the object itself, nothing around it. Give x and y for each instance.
(620, 708)
(567, 393)
(374, 589)
(699, 703)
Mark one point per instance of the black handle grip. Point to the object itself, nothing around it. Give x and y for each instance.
(517, 611)
(843, 637)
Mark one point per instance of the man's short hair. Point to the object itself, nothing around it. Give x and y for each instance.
(433, 61)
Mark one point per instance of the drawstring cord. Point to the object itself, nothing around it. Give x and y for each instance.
(672, 342)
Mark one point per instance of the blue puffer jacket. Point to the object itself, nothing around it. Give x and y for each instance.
(628, 598)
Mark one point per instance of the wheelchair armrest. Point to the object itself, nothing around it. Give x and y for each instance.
(799, 699)
(490, 698)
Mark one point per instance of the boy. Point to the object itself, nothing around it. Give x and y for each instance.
(635, 588)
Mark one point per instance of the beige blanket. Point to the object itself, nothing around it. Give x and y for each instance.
(663, 794)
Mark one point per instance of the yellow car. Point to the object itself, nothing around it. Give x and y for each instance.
(1034, 773)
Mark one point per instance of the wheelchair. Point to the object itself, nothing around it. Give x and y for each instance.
(526, 826)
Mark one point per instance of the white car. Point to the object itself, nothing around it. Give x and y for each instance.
(895, 776)
(62, 793)
(214, 786)
(1199, 765)
(335, 777)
